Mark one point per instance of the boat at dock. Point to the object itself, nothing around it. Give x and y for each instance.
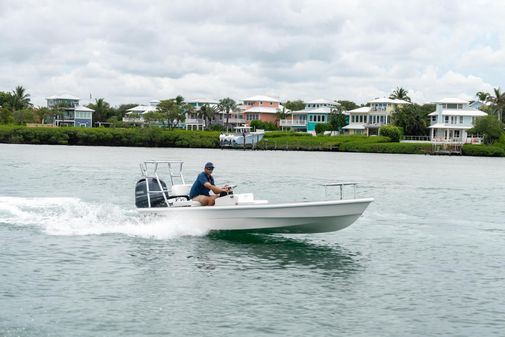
(240, 211)
(241, 137)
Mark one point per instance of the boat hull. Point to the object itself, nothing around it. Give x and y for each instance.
(303, 217)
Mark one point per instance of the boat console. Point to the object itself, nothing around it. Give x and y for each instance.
(239, 199)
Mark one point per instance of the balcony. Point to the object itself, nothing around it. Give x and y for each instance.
(194, 121)
(233, 121)
(293, 122)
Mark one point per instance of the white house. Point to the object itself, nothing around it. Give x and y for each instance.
(367, 120)
(451, 120)
(136, 114)
(315, 112)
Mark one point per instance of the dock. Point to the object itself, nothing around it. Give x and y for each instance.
(446, 148)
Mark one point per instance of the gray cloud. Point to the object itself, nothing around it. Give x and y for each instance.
(133, 51)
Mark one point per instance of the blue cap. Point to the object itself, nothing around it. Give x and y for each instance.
(209, 165)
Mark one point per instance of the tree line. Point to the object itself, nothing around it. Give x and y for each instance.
(413, 119)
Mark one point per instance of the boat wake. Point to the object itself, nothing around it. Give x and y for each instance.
(72, 216)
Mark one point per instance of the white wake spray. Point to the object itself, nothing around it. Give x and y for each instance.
(72, 216)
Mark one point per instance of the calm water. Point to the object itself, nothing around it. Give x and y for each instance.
(426, 259)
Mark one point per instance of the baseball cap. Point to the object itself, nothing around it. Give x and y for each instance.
(209, 165)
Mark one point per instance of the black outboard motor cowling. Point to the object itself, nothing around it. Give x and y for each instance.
(155, 194)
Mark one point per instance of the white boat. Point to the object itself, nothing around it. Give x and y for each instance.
(241, 212)
(243, 136)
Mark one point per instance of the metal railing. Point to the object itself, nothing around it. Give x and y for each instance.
(341, 185)
(150, 169)
(292, 122)
(416, 138)
(194, 121)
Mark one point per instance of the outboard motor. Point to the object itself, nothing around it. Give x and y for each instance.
(155, 194)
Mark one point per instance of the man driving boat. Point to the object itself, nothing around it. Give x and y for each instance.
(204, 183)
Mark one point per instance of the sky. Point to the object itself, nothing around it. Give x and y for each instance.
(137, 51)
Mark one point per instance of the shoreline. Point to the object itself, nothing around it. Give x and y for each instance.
(275, 141)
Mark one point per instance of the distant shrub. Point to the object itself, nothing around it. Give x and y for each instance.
(151, 137)
(217, 127)
(268, 126)
(279, 134)
(483, 150)
(404, 148)
(322, 127)
(392, 132)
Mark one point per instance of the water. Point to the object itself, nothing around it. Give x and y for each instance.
(426, 259)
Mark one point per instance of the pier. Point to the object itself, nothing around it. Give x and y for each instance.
(446, 148)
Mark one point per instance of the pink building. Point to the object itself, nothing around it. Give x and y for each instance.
(261, 108)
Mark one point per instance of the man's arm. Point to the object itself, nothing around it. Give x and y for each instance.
(216, 189)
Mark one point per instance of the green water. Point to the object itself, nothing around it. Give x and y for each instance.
(426, 258)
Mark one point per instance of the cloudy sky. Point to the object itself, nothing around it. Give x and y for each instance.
(135, 51)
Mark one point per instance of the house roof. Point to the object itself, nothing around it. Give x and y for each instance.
(320, 110)
(142, 109)
(83, 108)
(261, 99)
(203, 101)
(389, 100)
(354, 127)
(64, 96)
(444, 126)
(320, 101)
(363, 109)
(451, 101)
(456, 112)
(263, 109)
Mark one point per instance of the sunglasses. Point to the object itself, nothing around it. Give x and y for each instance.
(210, 168)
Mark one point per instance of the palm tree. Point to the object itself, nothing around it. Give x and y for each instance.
(20, 99)
(227, 105)
(101, 108)
(498, 101)
(483, 96)
(207, 112)
(400, 93)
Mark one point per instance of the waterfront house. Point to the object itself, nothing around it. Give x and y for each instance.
(451, 120)
(69, 112)
(193, 120)
(367, 120)
(135, 115)
(315, 112)
(261, 108)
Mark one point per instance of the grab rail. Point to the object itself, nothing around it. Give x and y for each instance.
(341, 185)
(149, 169)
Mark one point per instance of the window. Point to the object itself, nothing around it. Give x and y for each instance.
(453, 106)
(446, 119)
(460, 119)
